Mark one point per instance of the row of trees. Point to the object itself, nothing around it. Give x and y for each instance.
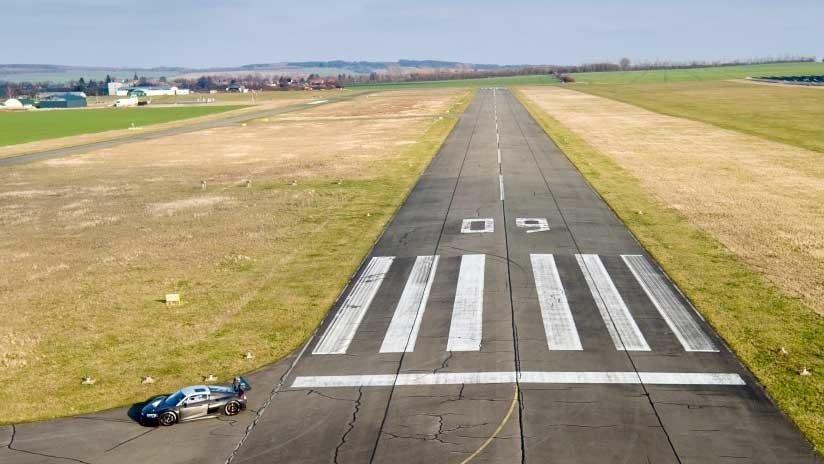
(263, 81)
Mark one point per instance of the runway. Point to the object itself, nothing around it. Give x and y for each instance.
(503, 281)
(505, 315)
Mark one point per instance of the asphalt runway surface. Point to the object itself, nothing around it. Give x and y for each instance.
(505, 315)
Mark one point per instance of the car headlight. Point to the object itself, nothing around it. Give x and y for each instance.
(151, 415)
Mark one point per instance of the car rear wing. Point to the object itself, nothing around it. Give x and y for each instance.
(241, 384)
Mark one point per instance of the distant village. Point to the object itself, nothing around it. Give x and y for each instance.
(138, 90)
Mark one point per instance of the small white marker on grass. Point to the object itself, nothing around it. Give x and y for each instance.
(172, 298)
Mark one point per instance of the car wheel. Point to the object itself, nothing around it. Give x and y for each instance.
(231, 408)
(167, 418)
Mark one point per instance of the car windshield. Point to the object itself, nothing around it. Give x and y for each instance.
(174, 399)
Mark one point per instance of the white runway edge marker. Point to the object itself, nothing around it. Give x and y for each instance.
(465, 330)
(339, 335)
(526, 377)
(499, 156)
(674, 312)
(621, 326)
(501, 185)
(403, 329)
(559, 326)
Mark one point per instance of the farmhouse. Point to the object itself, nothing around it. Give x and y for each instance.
(63, 100)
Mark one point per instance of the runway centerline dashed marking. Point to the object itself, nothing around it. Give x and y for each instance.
(501, 185)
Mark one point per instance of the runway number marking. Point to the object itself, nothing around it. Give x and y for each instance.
(533, 224)
(478, 226)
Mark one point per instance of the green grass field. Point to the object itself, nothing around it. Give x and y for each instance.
(786, 114)
(31, 126)
(752, 315)
(484, 82)
(701, 74)
(623, 77)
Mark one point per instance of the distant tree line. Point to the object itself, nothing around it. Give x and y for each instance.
(263, 81)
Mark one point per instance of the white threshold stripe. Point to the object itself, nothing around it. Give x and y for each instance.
(525, 377)
(403, 329)
(466, 328)
(501, 185)
(619, 322)
(674, 312)
(342, 330)
(559, 326)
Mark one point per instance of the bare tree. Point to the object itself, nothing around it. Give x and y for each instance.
(625, 63)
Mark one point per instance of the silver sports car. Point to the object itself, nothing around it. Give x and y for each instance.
(196, 402)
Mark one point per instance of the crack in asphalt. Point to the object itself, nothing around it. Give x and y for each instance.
(437, 244)
(393, 436)
(698, 406)
(582, 426)
(11, 438)
(34, 453)
(578, 248)
(130, 439)
(350, 425)
(445, 362)
(272, 395)
(442, 429)
(509, 266)
(317, 392)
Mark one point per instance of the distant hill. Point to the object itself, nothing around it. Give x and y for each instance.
(63, 73)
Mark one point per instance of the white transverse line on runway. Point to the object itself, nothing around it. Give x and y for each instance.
(677, 316)
(525, 377)
(621, 326)
(403, 330)
(339, 335)
(561, 333)
(467, 313)
(501, 185)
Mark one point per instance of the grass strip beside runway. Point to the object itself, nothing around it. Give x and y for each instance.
(257, 227)
(30, 126)
(785, 114)
(753, 316)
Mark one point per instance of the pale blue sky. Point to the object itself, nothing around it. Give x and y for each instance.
(202, 33)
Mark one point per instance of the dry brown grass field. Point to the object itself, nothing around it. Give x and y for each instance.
(735, 220)
(91, 243)
(763, 200)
